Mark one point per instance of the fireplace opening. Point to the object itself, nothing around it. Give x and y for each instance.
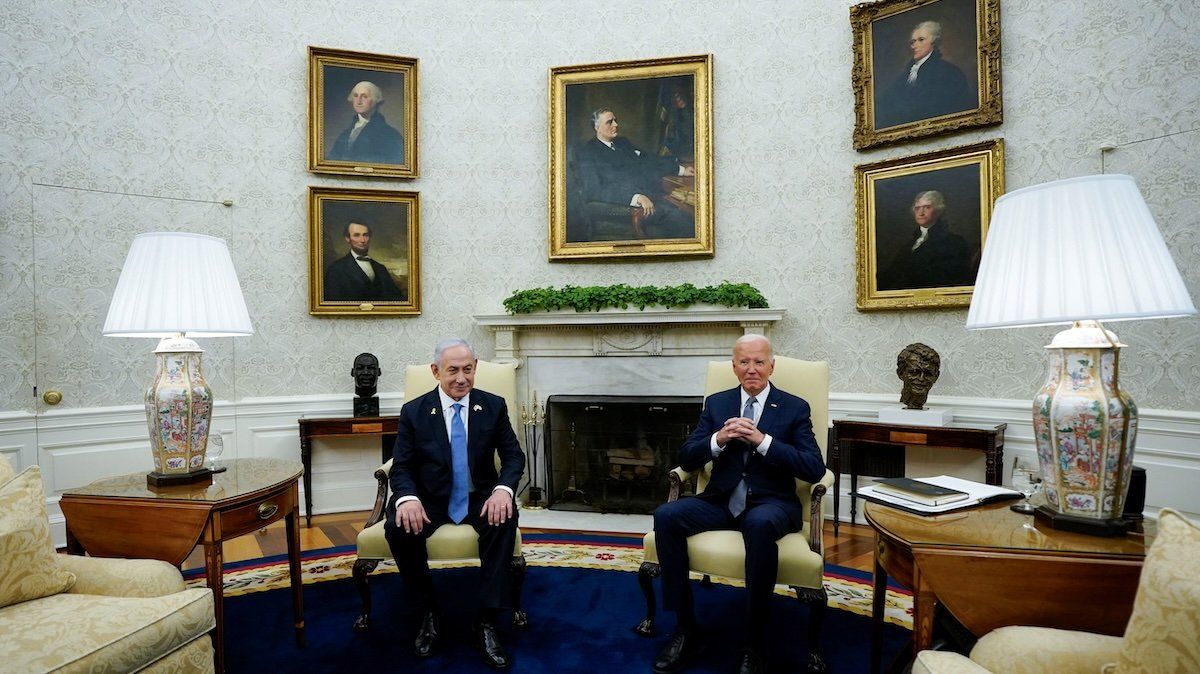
(611, 454)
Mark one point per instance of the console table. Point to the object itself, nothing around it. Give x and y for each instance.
(341, 427)
(991, 567)
(988, 439)
(122, 517)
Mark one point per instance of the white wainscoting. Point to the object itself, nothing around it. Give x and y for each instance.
(74, 447)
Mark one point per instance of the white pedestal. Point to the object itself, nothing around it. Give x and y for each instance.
(930, 416)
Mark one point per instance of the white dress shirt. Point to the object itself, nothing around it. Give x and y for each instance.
(364, 265)
(912, 72)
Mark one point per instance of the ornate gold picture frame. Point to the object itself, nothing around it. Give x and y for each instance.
(364, 252)
(921, 223)
(631, 168)
(362, 113)
(924, 68)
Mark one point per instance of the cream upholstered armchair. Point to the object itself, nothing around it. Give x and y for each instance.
(451, 541)
(1163, 634)
(722, 553)
(65, 613)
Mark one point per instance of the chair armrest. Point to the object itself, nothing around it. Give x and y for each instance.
(381, 476)
(676, 477)
(816, 501)
(122, 577)
(1045, 649)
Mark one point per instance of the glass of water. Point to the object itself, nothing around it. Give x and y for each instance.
(1027, 481)
(216, 447)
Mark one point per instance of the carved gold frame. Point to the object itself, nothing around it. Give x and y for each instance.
(989, 155)
(701, 245)
(990, 110)
(321, 57)
(317, 262)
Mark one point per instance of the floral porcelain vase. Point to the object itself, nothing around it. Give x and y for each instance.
(1085, 425)
(178, 406)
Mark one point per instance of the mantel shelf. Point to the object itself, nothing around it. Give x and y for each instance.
(630, 317)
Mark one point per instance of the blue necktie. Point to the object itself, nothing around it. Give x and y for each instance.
(737, 500)
(458, 451)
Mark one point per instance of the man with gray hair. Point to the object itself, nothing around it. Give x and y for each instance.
(928, 85)
(612, 170)
(443, 471)
(369, 139)
(760, 441)
(933, 256)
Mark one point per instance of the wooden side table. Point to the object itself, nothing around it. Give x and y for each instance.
(341, 427)
(991, 567)
(988, 439)
(122, 517)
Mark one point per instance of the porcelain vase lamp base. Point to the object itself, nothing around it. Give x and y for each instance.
(1085, 427)
(178, 414)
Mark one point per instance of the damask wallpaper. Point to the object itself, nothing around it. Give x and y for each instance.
(124, 116)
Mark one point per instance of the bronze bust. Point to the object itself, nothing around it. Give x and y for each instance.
(918, 366)
(366, 377)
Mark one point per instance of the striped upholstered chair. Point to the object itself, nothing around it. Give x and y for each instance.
(722, 553)
(451, 541)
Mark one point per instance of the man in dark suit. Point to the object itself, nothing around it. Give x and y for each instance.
(928, 86)
(759, 440)
(934, 256)
(369, 139)
(356, 277)
(443, 471)
(612, 170)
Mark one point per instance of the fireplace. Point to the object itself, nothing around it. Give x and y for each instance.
(611, 453)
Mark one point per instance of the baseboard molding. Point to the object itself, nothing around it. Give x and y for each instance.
(74, 447)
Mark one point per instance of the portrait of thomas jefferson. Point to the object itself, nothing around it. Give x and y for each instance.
(915, 78)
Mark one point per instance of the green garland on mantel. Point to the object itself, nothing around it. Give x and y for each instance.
(595, 298)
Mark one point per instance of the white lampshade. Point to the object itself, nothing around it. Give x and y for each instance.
(1077, 249)
(177, 282)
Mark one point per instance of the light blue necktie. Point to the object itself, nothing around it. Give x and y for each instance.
(458, 451)
(737, 500)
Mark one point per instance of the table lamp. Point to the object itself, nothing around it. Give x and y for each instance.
(175, 286)
(1079, 251)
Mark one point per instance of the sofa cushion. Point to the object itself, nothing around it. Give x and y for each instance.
(1163, 634)
(78, 632)
(28, 565)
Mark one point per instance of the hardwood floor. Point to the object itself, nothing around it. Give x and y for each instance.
(853, 548)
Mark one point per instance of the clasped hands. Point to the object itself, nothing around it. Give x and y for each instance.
(411, 516)
(739, 427)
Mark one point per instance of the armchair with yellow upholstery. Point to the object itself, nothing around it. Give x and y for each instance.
(451, 541)
(65, 613)
(722, 553)
(1163, 634)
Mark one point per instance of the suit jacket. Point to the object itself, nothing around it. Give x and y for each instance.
(377, 143)
(793, 454)
(614, 175)
(943, 260)
(940, 89)
(346, 281)
(422, 465)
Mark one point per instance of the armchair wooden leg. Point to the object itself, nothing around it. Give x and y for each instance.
(363, 567)
(520, 618)
(817, 601)
(646, 575)
(706, 582)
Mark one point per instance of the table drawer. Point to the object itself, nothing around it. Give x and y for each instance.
(257, 514)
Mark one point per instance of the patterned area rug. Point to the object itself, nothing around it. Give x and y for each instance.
(848, 589)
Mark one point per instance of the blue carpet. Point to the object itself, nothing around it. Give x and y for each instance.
(581, 621)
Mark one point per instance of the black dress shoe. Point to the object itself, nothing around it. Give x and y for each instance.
(750, 663)
(682, 645)
(488, 643)
(427, 637)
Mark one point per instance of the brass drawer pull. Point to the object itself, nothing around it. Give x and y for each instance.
(267, 510)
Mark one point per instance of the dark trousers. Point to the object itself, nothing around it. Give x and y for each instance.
(495, 556)
(761, 525)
